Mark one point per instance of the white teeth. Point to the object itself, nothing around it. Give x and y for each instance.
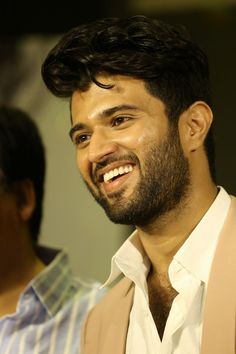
(117, 171)
(121, 170)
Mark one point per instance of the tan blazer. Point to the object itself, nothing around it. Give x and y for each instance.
(106, 326)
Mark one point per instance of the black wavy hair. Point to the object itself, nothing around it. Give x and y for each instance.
(174, 68)
(22, 156)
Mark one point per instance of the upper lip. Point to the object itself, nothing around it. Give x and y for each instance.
(101, 172)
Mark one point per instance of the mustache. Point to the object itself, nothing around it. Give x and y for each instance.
(110, 159)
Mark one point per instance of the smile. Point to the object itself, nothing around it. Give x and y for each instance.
(109, 176)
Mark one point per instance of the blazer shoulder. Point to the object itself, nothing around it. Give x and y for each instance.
(232, 210)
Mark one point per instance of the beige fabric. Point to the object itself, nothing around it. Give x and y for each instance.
(105, 329)
(219, 325)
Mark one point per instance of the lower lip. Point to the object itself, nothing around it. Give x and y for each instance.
(116, 184)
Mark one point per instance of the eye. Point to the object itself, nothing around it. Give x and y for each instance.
(119, 120)
(79, 139)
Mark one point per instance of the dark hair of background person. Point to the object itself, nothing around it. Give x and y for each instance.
(22, 156)
(173, 67)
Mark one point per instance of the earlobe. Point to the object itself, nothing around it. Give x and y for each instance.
(197, 120)
(26, 199)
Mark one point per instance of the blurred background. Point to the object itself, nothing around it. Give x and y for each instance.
(72, 220)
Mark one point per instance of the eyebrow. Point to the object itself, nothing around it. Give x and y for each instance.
(105, 113)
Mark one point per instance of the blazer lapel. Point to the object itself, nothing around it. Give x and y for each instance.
(115, 332)
(106, 326)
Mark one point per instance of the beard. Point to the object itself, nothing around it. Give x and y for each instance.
(164, 182)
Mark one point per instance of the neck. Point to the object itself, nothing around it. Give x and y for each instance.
(18, 266)
(162, 238)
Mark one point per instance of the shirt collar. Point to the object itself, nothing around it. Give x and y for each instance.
(132, 261)
(53, 286)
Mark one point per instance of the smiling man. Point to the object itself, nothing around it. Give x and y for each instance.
(142, 128)
(132, 150)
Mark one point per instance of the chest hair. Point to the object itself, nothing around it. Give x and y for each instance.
(161, 295)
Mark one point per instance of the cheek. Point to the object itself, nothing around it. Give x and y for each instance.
(82, 165)
(144, 137)
(134, 139)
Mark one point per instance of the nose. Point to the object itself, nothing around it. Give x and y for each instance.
(101, 145)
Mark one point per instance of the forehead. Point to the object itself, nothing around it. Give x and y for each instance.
(124, 90)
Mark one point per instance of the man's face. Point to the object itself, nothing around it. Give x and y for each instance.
(128, 155)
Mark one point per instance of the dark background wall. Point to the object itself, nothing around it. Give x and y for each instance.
(215, 30)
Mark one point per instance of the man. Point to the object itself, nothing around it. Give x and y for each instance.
(42, 304)
(142, 127)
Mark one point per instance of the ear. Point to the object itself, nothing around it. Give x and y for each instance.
(26, 199)
(194, 125)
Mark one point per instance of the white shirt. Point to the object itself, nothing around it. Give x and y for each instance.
(188, 272)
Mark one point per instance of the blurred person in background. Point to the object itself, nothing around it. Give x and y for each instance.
(141, 119)
(42, 304)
